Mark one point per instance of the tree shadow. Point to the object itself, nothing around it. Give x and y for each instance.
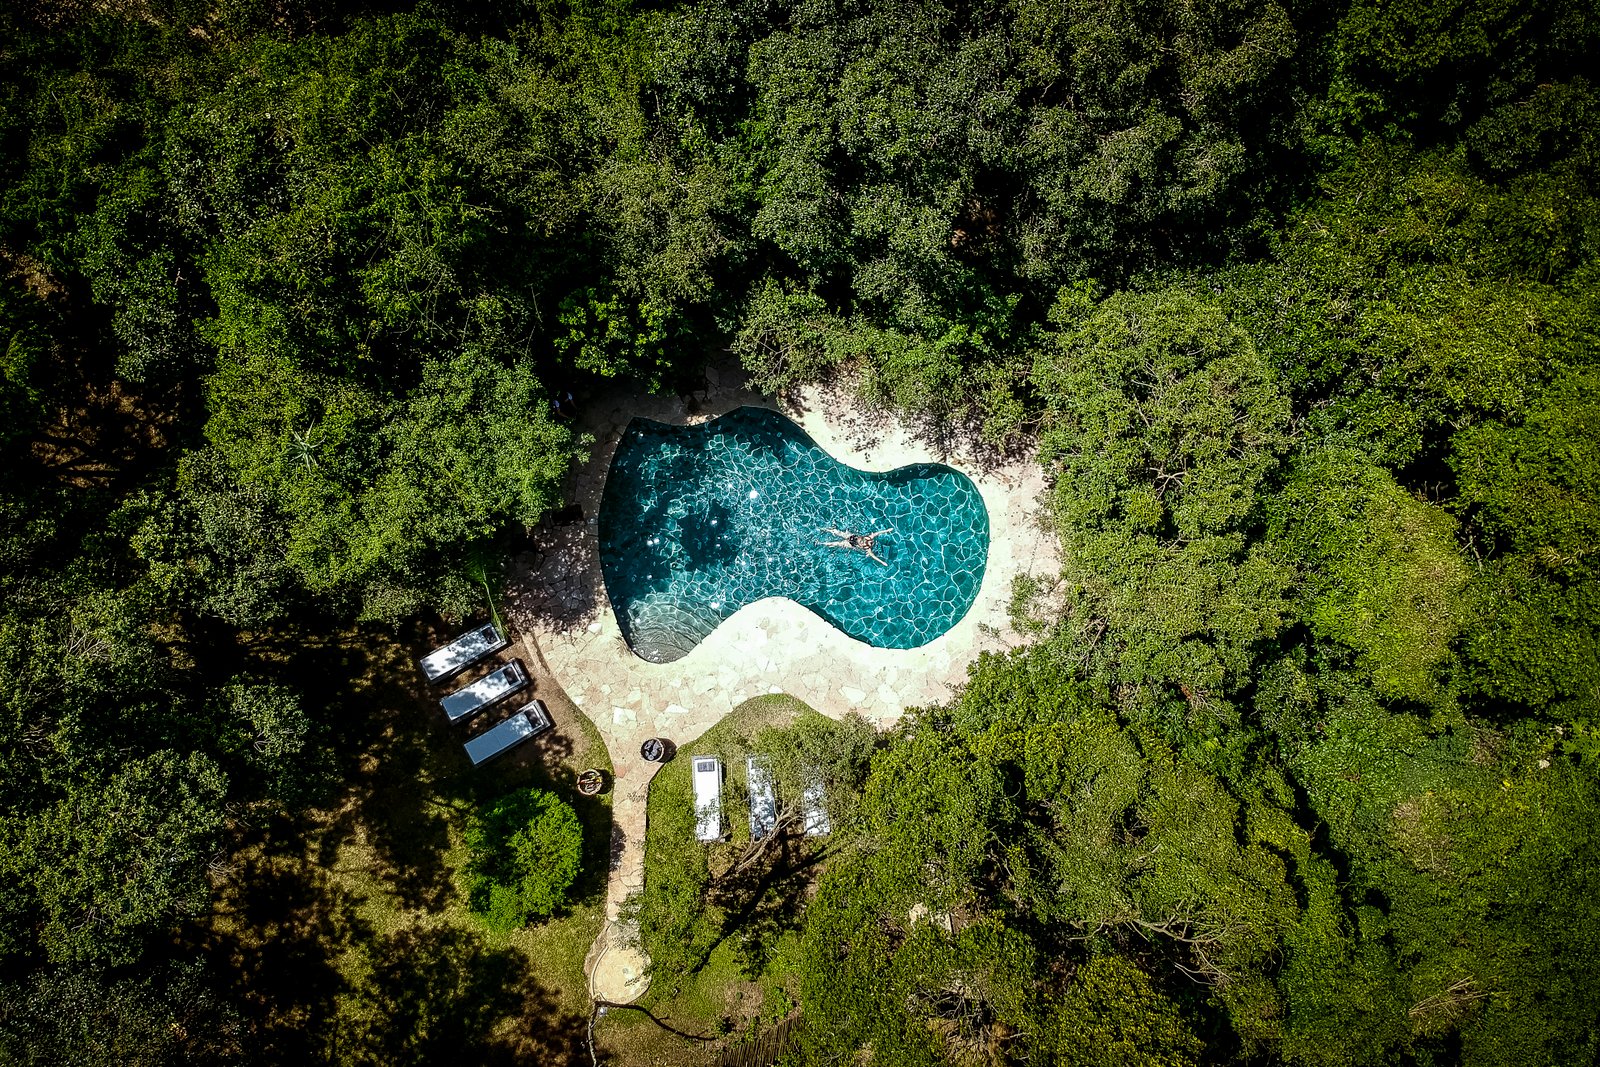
(400, 771)
(548, 757)
(760, 903)
(395, 762)
(590, 886)
(98, 431)
(278, 933)
(439, 995)
(552, 585)
(316, 983)
(617, 846)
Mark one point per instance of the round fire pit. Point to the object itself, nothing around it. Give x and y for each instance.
(591, 782)
(655, 749)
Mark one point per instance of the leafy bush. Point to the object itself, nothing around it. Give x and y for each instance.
(525, 852)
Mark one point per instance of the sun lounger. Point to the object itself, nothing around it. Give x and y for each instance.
(707, 798)
(471, 699)
(531, 721)
(463, 652)
(814, 809)
(763, 798)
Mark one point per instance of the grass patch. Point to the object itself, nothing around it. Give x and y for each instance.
(722, 941)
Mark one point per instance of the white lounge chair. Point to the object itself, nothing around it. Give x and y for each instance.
(707, 798)
(763, 798)
(531, 721)
(463, 652)
(471, 699)
(814, 809)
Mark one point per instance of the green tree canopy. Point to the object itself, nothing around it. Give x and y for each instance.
(1163, 424)
(1380, 570)
(524, 852)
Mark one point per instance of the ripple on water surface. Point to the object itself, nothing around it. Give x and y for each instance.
(698, 521)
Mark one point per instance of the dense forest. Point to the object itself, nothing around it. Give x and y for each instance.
(1298, 303)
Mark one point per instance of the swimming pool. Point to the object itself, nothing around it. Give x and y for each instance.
(698, 521)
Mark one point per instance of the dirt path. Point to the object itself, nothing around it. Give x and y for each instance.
(616, 966)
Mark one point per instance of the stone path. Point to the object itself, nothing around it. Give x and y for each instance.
(616, 966)
(557, 599)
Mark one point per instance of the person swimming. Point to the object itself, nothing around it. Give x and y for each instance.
(859, 542)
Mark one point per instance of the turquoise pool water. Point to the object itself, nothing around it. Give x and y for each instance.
(698, 521)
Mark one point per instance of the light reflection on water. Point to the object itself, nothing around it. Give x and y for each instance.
(698, 521)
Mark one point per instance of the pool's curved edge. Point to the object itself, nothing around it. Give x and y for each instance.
(800, 432)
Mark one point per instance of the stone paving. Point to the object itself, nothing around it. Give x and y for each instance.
(557, 599)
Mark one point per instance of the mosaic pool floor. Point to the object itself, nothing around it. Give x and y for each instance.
(698, 521)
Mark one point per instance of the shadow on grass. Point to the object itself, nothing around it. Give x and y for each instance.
(318, 984)
(392, 759)
(421, 995)
(761, 904)
(590, 886)
(400, 769)
(439, 995)
(287, 924)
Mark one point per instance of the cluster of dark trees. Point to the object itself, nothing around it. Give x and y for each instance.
(1298, 301)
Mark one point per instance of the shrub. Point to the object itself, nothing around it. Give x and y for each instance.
(524, 854)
